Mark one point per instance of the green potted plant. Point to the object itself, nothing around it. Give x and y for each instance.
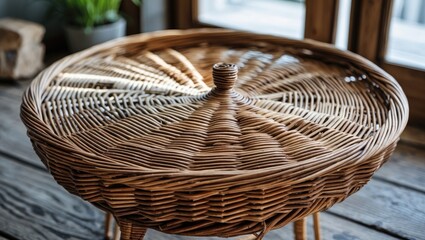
(90, 22)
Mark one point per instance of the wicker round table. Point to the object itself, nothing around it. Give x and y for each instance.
(213, 132)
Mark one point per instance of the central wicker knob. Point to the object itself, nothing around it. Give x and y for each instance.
(225, 75)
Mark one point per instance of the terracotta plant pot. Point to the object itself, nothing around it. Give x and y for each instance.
(78, 39)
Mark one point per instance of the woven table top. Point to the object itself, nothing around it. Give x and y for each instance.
(182, 119)
(153, 106)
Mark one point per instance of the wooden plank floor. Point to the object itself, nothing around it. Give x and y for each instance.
(33, 206)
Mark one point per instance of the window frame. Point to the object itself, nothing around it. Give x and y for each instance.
(370, 39)
(320, 22)
(368, 36)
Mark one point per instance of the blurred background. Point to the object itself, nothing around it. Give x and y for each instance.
(389, 33)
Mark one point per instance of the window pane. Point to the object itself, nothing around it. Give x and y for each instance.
(343, 24)
(277, 17)
(406, 44)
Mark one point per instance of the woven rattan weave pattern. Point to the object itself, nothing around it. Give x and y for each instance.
(138, 128)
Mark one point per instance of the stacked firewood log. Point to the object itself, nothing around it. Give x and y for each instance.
(21, 50)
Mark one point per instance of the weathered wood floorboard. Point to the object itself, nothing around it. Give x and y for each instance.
(33, 206)
(390, 208)
(406, 167)
(13, 133)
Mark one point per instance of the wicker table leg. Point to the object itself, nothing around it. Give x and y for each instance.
(316, 221)
(117, 232)
(300, 229)
(129, 231)
(108, 220)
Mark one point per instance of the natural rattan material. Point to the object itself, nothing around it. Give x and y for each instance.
(137, 128)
